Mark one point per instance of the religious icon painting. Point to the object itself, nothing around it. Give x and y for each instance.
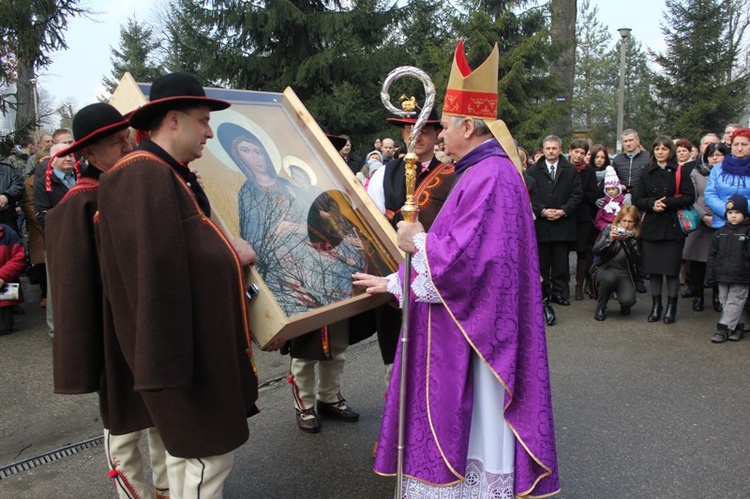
(275, 180)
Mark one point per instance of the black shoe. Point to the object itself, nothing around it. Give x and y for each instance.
(307, 421)
(339, 410)
(738, 333)
(624, 310)
(698, 304)
(671, 311)
(600, 315)
(688, 292)
(560, 300)
(721, 334)
(640, 287)
(549, 313)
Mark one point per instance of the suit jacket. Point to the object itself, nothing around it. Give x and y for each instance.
(564, 192)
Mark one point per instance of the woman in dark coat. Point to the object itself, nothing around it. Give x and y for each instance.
(617, 248)
(659, 196)
(697, 245)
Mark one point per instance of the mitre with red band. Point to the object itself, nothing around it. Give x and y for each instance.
(472, 93)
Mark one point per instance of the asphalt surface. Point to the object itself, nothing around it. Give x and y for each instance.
(641, 410)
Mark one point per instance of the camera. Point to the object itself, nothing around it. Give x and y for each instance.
(621, 231)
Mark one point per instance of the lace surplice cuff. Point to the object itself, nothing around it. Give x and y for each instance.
(422, 285)
(395, 288)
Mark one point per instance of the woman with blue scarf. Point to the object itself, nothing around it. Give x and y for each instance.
(732, 176)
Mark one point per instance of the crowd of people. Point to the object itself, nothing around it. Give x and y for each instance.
(621, 216)
(126, 223)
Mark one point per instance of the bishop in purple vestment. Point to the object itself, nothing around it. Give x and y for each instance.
(474, 308)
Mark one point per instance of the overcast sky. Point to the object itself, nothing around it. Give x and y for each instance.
(78, 71)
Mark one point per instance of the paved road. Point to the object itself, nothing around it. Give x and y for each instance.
(641, 410)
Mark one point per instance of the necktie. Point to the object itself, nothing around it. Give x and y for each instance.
(552, 171)
(69, 180)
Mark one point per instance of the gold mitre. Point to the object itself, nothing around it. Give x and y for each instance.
(473, 94)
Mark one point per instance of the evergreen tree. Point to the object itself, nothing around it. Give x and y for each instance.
(31, 30)
(594, 105)
(135, 55)
(333, 56)
(698, 93)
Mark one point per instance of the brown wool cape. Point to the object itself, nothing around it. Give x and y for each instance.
(176, 291)
(85, 354)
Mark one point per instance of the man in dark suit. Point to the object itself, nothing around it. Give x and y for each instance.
(560, 194)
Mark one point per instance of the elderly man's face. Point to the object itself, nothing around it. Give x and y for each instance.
(453, 137)
(708, 139)
(108, 151)
(64, 138)
(63, 163)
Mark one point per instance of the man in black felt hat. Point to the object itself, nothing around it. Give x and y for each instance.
(81, 331)
(434, 181)
(175, 285)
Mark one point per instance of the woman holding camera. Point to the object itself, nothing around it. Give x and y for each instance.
(658, 194)
(617, 249)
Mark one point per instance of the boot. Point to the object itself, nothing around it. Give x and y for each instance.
(698, 302)
(738, 332)
(671, 312)
(549, 312)
(721, 334)
(656, 309)
(717, 302)
(580, 279)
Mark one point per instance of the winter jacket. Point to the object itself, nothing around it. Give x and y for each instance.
(629, 170)
(719, 188)
(606, 250)
(12, 259)
(729, 256)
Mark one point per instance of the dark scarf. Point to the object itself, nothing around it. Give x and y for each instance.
(735, 166)
(182, 170)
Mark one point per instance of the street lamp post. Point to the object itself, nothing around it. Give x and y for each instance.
(33, 82)
(624, 34)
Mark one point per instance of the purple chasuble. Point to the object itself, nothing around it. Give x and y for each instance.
(482, 258)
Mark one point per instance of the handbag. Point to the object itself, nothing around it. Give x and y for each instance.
(591, 281)
(687, 218)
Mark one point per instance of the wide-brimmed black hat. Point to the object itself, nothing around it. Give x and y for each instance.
(337, 140)
(93, 123)
(433, 119)
(170, 92)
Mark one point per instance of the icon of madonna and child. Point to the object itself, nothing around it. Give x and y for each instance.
(306, 240)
